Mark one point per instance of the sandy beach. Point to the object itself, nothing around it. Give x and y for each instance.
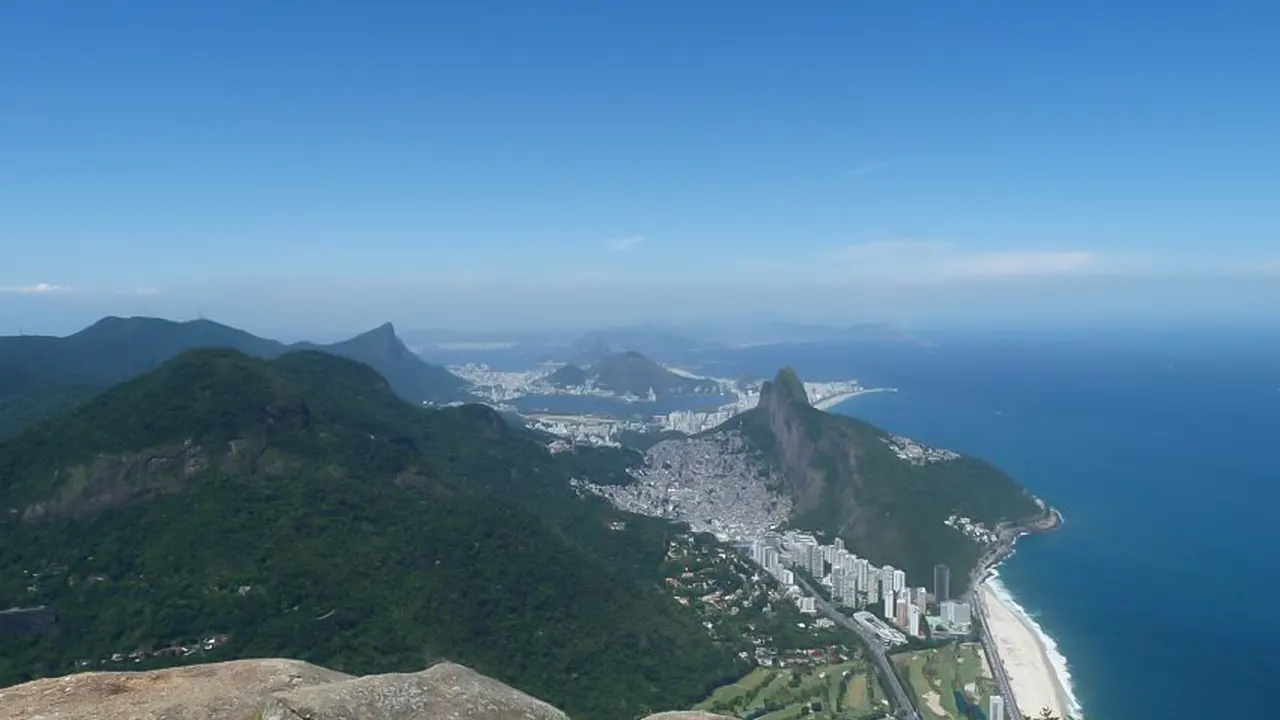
(1035, 685)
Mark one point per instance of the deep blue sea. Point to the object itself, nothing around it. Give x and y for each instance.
(1163, 453)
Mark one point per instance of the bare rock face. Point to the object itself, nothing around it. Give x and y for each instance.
(233, 690)
(442, 692)
(271, 690)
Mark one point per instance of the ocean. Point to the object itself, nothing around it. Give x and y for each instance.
(1162, 450)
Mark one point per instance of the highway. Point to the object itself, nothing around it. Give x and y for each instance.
(993, 657)
(1008, 535)
(903, 709)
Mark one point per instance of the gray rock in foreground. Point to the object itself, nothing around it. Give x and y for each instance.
(233, 690)
(273, 689)
(442, 692)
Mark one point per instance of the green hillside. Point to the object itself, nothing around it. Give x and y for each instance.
(298, 506)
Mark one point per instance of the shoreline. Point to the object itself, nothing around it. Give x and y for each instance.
(830, 403)
(1038, 674)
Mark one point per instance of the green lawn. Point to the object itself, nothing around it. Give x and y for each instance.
(845, 692)
(935, 675)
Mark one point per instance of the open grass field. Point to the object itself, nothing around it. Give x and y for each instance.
(935, 677)
(848, 691)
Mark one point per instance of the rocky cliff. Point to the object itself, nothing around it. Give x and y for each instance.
(273, 689)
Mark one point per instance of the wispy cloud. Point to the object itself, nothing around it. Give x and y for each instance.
(944, 259)
(869, 168)
(623, 244)
(36, 289)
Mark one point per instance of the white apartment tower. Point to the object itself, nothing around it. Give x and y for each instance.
(995, 710)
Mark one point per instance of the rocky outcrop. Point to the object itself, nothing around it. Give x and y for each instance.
(442, 692)
(235, 690)
(798, 431)
(280, 690)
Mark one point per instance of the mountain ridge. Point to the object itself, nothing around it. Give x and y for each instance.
(40, 375)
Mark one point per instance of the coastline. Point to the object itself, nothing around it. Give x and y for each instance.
(1037, 673)
(840, 398)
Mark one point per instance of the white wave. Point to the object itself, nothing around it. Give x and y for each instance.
(1056, 659)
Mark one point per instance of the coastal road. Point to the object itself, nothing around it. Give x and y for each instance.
(993, 657)
(903, 709)
(1008, 534)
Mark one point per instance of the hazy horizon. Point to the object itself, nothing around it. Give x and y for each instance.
(924, 310)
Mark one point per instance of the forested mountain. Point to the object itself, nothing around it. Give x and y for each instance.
(410, 376)
(40, 376)
(300, 507)
(846, 480)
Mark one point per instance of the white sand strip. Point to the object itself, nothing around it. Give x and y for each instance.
(1025, 660)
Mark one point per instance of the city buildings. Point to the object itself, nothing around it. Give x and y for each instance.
(917, 453)
(956, 615)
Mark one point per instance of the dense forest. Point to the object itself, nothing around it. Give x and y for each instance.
(300, 508)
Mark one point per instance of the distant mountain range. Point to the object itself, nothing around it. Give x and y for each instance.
(653, 340)
(788, 333)
(40, 375)
(630, 373)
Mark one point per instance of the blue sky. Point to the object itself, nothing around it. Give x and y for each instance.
(299, 166)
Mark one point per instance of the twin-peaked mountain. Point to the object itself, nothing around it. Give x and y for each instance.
(846, 480)
(301, 508)
(629, 373)
(41, 375)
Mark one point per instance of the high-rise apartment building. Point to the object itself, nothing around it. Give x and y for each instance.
(995, 710)
(941, 584)
(771, 558)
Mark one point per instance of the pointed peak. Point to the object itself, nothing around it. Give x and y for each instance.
(385, 332)
(786, 386)
(381, 341)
